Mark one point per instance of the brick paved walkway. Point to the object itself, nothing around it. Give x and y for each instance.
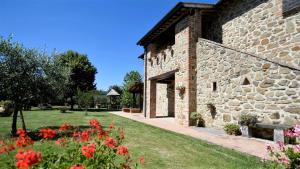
(250, 146)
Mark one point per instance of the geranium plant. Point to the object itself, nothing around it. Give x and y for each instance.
(284, 155)
(91, 148)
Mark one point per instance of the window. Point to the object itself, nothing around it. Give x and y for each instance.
(214, 86)
(246, 82)
(290, 7)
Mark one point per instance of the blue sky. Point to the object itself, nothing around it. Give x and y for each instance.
(105, 30)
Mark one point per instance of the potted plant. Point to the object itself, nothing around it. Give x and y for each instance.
(232, 129)
(181, 90)
(197, 119)
(246, 121)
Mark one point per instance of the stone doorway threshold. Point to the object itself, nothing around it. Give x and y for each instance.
(252, 146)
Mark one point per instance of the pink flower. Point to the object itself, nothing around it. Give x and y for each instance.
(281, 146)
(289, 134)
(269, 148)
(284, 160)
(297, 148)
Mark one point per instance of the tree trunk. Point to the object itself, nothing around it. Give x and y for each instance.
(22, 118)
(14, 122)
(72, 103)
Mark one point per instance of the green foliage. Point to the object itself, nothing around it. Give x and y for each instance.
(63, 109)
(22, 75)
(129, 79)
(197, 117)
(81, 73)
(85, 99)
(294, 157)
(232, 129)
(6, 104)
(248, 120)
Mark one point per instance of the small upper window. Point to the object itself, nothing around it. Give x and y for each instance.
(246, 81)
(290, 7)
(214, 86)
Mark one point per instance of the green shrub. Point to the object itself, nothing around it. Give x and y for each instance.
(197, 118)
(248, 120)
(232, 129)
(7, 104)
(63, 109)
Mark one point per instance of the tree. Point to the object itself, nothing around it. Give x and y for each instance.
(85, 99)
(81, 73)
(20, 73)
(129, 79)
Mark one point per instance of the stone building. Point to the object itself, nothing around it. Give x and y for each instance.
(239, 56)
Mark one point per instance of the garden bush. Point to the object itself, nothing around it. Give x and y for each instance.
(63, 109)
(92, 148)
(8, 107)
(248, 120)
(232, 129)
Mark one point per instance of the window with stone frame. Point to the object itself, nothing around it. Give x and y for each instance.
(290, 7)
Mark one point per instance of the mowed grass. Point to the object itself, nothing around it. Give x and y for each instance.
(162, 149)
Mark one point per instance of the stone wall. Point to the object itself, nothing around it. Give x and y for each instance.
(273, 92)
(259, 27)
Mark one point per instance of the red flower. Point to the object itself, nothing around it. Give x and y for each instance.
(122, 150)
(78, 167)
(27, 158)
(85, 135)
(142, 160)
(65, 126)
(4, 150)
(88, 150)
(47, 133)
(24, 141)
(102, 133)
(110, 142)
(111, 125)
(61, 141)
(76, 134)
(21, 133)
(95, 123)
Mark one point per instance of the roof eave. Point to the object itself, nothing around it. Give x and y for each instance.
(179, 6)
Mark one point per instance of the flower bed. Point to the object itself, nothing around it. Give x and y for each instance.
(93, 147)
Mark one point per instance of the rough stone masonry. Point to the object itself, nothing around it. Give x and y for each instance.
(241, 56)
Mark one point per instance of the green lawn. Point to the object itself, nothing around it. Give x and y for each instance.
(161, 148)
